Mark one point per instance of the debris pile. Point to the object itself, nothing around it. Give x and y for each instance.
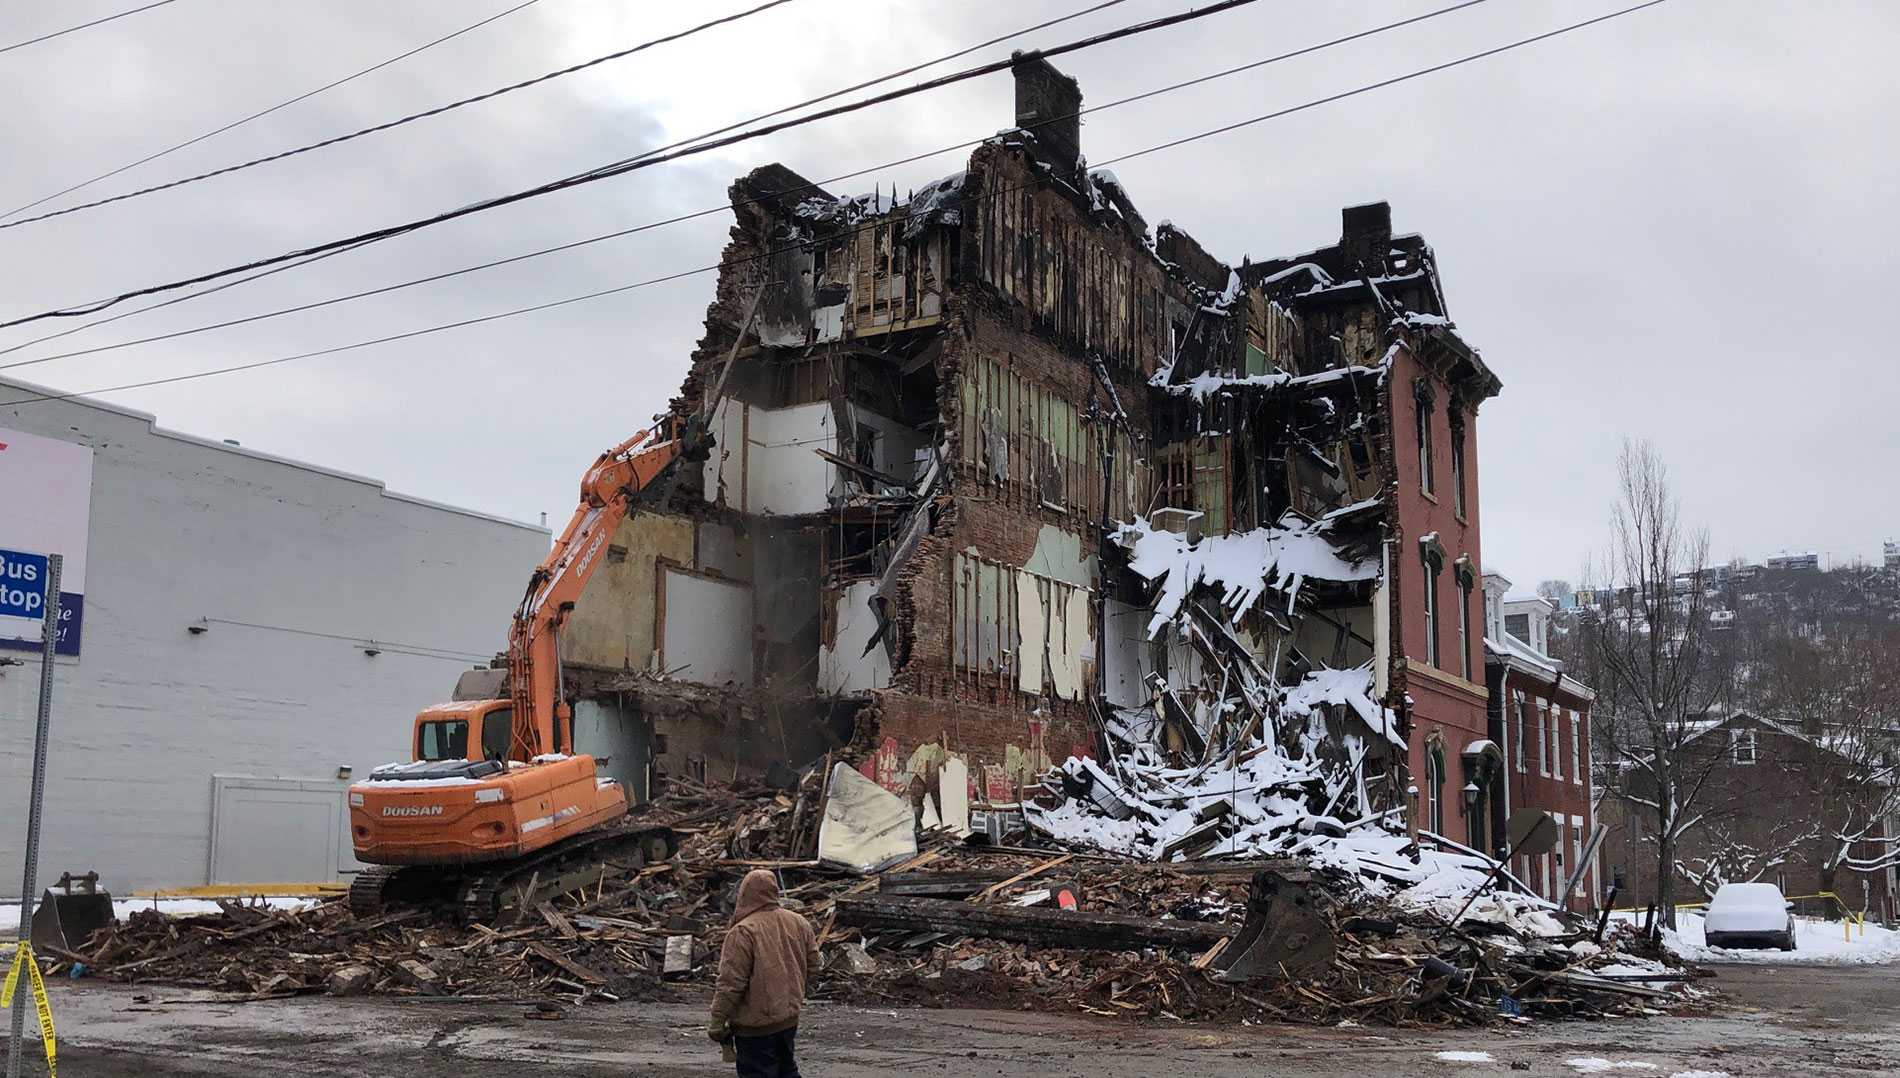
(951, 924)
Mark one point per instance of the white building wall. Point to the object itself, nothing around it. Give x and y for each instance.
(293, 571)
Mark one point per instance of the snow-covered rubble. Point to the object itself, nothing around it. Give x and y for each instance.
(1243, 565)
(1254, 798)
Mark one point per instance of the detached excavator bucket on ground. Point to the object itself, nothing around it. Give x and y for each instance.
(70, 912)
(1285, 935)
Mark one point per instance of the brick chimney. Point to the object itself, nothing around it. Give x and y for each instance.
(1366, 232)
(1048, 106)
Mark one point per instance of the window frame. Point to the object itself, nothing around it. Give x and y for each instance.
(1576, 747)
(1558, 857)
(1517, 700)
(502, 719)
(1458, 503)
(1433, 561)
(1426, 480)
(443, 730)
(1543, 737)
(1556, 741)
(1736, 740)
(1465, 579)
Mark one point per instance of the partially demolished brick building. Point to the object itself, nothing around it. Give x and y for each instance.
(998, 466)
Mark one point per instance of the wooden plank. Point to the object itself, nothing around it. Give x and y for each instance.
(569, 966)
(1208, 956)
(938, 884)
(1021, 876)
(1042, 927)
(555, 921)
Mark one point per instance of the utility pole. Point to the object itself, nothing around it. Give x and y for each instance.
(49, 642)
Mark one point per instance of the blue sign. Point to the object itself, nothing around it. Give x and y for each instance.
(22, 585)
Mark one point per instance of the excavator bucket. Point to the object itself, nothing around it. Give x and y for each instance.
(67, 917)
(1285, 933)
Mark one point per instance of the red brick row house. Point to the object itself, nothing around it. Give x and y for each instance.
(1540, 727)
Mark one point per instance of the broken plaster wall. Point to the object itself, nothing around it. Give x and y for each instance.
(764, 460)
(612, 626)
(844, 664)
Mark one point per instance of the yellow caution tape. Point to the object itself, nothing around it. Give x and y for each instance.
(23, 956)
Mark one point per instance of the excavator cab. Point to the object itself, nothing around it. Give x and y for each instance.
(471, 730)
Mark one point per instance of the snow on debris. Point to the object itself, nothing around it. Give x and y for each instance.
(1243, 564)
(1599, 1065)
(1461, 1056)
(936, 200)
(1344, 688)
(1205, 385)
(1245, 789)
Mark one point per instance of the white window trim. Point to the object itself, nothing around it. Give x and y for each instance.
(1738, 738)
(1555, 859)
(1543, 738)
(1517, 710)
(1556, 742)
(1576, 746)
(1576, 854)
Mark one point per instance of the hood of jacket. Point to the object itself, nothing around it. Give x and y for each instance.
(758, 891)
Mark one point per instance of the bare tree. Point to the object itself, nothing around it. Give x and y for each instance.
(1652, 650)
(1729, 855)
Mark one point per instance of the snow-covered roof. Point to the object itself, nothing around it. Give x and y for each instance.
(1520, 655)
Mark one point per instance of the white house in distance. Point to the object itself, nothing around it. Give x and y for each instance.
(244, 633)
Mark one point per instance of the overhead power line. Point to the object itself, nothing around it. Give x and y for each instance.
(305, 96)
(901, 72)
(649, 161)
(398, 122)
(1158, 147)
(620, 233)
(81, 26)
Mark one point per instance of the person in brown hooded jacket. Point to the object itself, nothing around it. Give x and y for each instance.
(768, 954)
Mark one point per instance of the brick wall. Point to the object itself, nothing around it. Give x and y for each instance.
(1447, 700)
(1555, 778)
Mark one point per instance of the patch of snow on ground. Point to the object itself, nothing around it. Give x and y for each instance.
(1464, 1057)
(1816, 941)
(123, 908)
(1599, 1065)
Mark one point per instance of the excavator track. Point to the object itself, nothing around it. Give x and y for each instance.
(379, 888)
(585, 860)
(489, 892)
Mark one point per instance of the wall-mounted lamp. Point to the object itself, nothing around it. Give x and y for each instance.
(372, 651)
(343, 773)
(1472, 793)
(199, 627)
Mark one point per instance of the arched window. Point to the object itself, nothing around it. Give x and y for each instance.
(1435, 789)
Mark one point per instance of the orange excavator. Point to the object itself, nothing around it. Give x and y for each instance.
(495, 810)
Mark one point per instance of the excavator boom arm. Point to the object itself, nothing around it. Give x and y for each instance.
(608, 492)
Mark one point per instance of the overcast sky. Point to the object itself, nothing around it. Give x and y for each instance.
(1677, 225)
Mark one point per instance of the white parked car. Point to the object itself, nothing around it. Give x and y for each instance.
(1749, 915)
